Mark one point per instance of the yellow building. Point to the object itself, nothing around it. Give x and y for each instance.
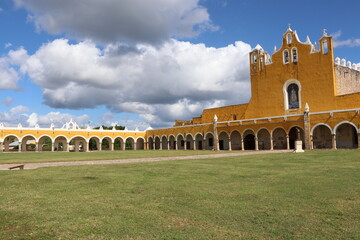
(298, 88)
(68, 138)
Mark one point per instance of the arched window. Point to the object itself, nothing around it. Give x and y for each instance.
(294, 55)
(293, 96)
(288, 38)
(325, 47)
(254, 58)
(286, 56)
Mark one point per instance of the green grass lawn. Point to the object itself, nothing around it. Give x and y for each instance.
(315, 195)
(35, 157)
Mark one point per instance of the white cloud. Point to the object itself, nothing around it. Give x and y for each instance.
(114, 20)
(7, 101)
(14, 116)
(9, 76)
(353, 42)
(173, 81)
(57, 118)
(7, 45)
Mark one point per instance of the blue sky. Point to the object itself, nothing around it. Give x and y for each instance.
(146, 63)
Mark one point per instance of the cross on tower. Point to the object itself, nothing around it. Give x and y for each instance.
(324, 32)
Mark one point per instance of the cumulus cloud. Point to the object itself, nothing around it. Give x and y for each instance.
(14, 116)
(9, 76)
(112, 20)
(174, 81)
(57, 118)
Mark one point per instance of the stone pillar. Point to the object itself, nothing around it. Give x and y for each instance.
(242, 144)
(168, 145)
(161, 145)
(307, 130)
(52, 147)
(230, 148)
(85, 146)
(195, 147)
(76, 145)
(287, 142)
(176, 145)
(146, 145)
(1, 146)
(271, 143)
(333, 141)
(122, 146)
(112, 146)
(36, 146)
(256, 144)
(6, 148)
(216, 139)
(67, 147)
(204, 144)
(311, 142)
(185, 145)
(20, 146)
(135, 147)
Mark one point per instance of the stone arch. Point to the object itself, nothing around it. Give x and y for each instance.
(263, 136)
(249, 139)
(235, 138)
(157, 143)
(321, 136)
(189, 141)
(28, 143)
(209, 141)
(346, 135)
(199, 141)
(224, 141)
(150, 143)
(180, 142)
(164, 142)
(94, 143)
(106, 143)
(279, 138)
(293, 136)
(11, 143)
(44, 143)
(140, 143)
(119, 143)
(61, 143)
(172, 142)
(129, 143)
(78, 144)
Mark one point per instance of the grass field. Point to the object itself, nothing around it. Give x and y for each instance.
(315, 195)
(35, 157)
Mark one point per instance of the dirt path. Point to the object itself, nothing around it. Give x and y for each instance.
(135, 160)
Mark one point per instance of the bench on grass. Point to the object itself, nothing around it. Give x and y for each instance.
(20, 167)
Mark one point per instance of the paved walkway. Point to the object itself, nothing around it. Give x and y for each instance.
(136, 160)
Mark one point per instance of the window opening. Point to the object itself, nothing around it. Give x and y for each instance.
(289, 38)
(286, 56)
(325, 47)
(293, 96)
(254, 58)
(294, 55)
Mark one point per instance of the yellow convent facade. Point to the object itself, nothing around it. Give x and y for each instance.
(300, 87)
(299, 91)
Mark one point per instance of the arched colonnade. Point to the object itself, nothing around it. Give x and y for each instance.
(14, 143)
